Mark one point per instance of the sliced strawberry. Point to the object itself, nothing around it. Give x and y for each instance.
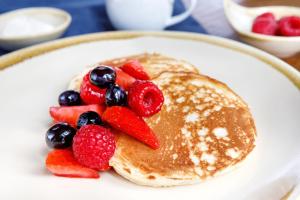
(127, 121)
(70, 114)
(123, 79)
(105, 168)
(62, 163)
(135, 69)
(91, 94)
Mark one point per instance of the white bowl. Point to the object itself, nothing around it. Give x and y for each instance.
(57, 18)
(241, 19)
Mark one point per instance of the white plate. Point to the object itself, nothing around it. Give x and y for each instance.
(28, 88)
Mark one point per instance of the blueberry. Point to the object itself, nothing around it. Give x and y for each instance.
(89, 117)
(69, 98)
(103, 76)
(60, 136)
(115, 96)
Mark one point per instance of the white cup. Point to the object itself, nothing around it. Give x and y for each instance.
(144, 14)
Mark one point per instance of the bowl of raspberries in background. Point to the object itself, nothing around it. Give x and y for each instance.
(267, 24)
(275, 29)
(82, 138)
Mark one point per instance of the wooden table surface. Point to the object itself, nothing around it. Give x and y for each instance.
(210, 14)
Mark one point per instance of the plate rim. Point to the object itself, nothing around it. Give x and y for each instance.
(10, 59)
(18, 56)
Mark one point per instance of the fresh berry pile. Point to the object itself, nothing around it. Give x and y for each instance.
(267, 24)
(110, 98)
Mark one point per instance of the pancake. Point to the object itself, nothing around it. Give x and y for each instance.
(153, 63)
(204, 129)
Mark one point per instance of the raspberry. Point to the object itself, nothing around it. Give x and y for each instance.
(145, 98)
(135, 69)
(266, 15)
(289, 26)
(93, 146)
(265, 24)
(70, 114)
(91, 94)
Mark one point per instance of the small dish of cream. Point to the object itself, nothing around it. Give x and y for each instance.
(29, 26)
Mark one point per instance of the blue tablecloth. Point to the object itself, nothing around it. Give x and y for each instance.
(89, 16)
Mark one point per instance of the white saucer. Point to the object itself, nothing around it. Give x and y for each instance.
(57, 18)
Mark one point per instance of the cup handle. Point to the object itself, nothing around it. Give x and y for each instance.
(178, 18)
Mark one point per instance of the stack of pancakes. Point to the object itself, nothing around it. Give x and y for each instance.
(204, 128)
